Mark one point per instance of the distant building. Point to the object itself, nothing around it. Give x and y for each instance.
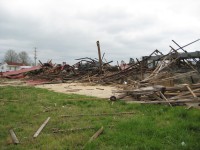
(10, 66)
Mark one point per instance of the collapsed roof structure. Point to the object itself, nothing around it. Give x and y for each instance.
(144, 78)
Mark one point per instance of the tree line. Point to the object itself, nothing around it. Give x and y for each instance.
(21, 57)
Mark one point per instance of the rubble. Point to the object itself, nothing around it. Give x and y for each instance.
(166, 68)
(150, 79)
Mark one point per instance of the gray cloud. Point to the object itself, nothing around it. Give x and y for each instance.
(66, 30)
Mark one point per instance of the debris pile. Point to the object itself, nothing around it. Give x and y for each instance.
(19, 73)
(150, 78)
(158, 66)
(85, 70)
(157, 94)
(157, 86)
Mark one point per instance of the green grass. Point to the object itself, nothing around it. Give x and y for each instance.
(24, 109)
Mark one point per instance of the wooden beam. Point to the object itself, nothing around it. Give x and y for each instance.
(55, 130)
(102, 114)
(183, 94)
(99, 53)
(163, 96)
(96, 134)
(14, 137)
(193, 94)
(41, 127)
(164, 102)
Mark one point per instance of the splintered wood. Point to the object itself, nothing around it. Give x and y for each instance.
(177, 95)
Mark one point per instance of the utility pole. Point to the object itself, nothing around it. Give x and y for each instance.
(100, 61)
(35, 55)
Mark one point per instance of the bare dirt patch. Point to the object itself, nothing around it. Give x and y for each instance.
(87, 89)
(82, 88)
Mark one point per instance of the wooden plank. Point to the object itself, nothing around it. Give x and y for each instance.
(102, 114)
(14, 137)
(86, 99)
(163, 96)
(96, 134)
(171, 94)
(164, 102)
(157, 97)
(99, 89)
(55, 130)
(183, 94)
(41, 127)
(193, 94)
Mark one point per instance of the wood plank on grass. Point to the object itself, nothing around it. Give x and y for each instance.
(41, 127)
(102, 114)
(96, 134)
(14, 137)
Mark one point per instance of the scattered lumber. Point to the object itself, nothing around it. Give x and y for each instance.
(194, 95)
(155, 77)
(163, 96)
(41, 127)
(14, 137)
(102, 114)
(96, 134)
(166, 102)
(56, 130)
(180, 94)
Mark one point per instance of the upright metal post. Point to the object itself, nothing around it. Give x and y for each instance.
(99, 53)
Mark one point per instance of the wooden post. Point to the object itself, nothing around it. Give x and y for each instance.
(41, 127)
(14, 137)
(141, 68)
(99, 53)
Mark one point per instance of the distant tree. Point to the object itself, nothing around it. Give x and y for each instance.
(24, 58)
(11, 56)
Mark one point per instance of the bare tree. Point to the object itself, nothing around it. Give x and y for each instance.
(24, 58)
(11, 56)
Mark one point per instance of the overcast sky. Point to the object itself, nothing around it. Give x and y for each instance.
(63, 30)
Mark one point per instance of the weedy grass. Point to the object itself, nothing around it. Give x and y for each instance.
(24, 109)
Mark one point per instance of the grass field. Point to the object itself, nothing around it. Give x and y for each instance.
(24, 109)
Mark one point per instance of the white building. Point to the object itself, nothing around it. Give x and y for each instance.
(10, 66)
